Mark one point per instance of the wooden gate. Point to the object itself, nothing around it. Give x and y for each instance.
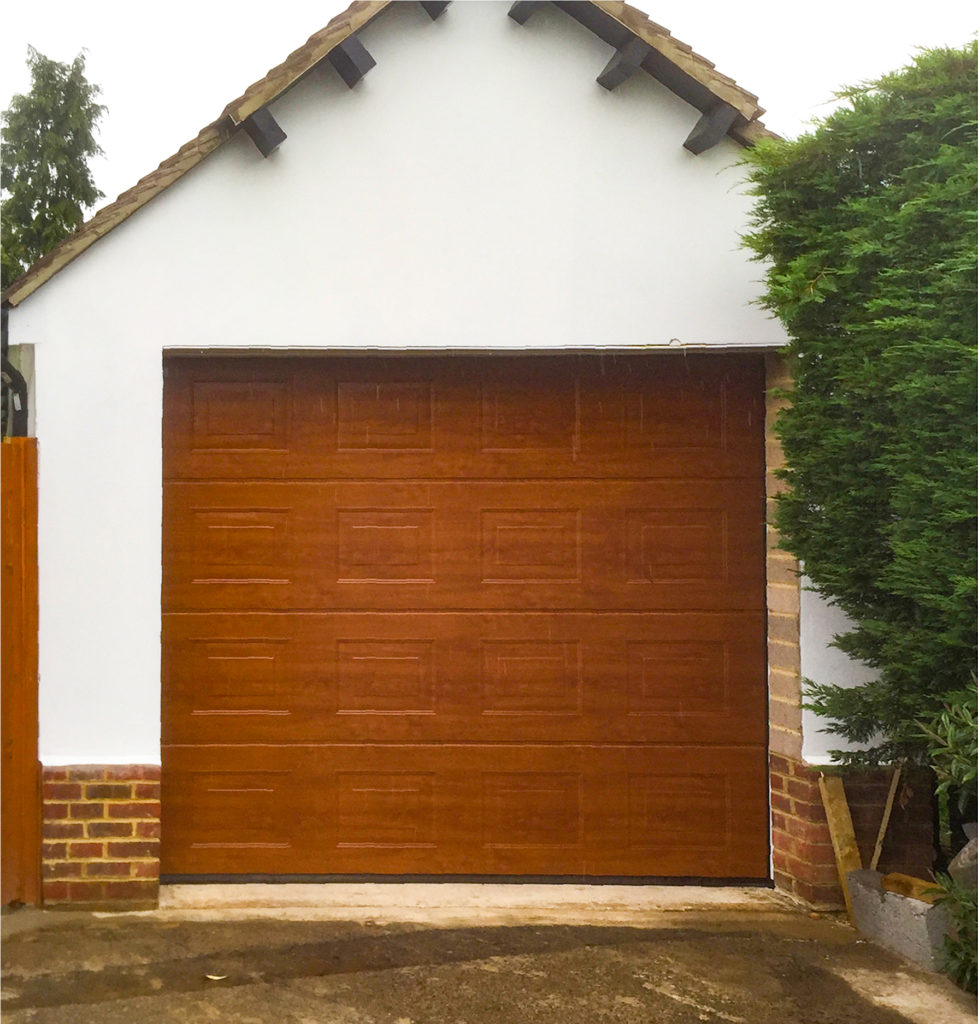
(20, 824)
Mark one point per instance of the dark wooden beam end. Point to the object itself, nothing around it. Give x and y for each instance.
(522, 9)
(433, 9)
(624, 63)
(264, 131)
(710, 128)
(351, 60)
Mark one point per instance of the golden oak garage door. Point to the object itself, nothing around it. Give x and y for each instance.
(479, 616)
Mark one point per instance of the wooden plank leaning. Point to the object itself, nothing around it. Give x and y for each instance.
(847, 857)
(887, 811)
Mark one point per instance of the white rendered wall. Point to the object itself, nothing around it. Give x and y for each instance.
(477, 190)
(820, 663)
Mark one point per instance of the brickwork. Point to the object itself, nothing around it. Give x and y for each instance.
(783, 592)
(803, 861)
(909, 846)
(101, 834)
(804, 864)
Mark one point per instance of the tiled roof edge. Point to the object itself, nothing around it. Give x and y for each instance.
(192, 153)
(683, 56)
(187, 156)
(306, 57)
(281, 77)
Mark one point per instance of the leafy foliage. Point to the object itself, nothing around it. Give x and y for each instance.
(960, 950)
(953, 744)
(48, 137)
(868, 225)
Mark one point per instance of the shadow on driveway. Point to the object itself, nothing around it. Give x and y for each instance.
(146, 968)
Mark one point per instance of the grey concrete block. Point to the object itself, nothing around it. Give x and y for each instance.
(964, 868)
(904, 925)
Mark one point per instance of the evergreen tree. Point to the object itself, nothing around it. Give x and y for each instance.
(48, 137)
(868, 225)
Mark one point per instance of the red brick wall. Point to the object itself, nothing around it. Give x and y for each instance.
(804, 864)
(101, 834)
(909, 844)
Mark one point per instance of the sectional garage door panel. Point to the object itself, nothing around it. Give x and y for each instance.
(458, 677)
(592, 544)
(464, 616)
(525, 417)
(467, 809)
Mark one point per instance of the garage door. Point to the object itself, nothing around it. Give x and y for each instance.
(464, 616)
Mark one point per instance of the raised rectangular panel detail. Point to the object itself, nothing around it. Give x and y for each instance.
(678, 811)
(242, 545)
(236, 415)
(385, 809)
(531, 809)
(678, 678)
(680, 545)
(533, 545)
(389, 416)
(676, 416)
(384, 545)
(531, 677)
(516, 419)
(386, 676)
(232, 676)
(240, 809)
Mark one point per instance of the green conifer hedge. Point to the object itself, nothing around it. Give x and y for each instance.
(868, 226)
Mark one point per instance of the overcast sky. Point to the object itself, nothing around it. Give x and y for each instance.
(167, 69)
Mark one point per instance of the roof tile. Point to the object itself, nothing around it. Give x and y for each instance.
(297, 64)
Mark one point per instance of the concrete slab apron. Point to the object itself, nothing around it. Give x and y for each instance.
(468, 903)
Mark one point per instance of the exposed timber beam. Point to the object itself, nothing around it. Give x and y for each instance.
(710, 128)
(264, 131)
(351, 60)
(434, 9)
(522, 9)
(624, 63)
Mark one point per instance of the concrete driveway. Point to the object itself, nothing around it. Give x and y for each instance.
(461, 955)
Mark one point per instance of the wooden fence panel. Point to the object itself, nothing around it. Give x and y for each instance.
(20, 805)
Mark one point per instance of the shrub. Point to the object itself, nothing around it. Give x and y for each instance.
(867, 225)
(960, 950)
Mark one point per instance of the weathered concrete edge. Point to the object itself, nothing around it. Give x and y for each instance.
(470, 902)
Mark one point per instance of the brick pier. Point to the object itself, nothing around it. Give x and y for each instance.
(101, 834)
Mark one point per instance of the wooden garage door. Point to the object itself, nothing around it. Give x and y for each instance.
(484, 616)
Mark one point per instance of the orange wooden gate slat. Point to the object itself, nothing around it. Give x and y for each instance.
(20, 825)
